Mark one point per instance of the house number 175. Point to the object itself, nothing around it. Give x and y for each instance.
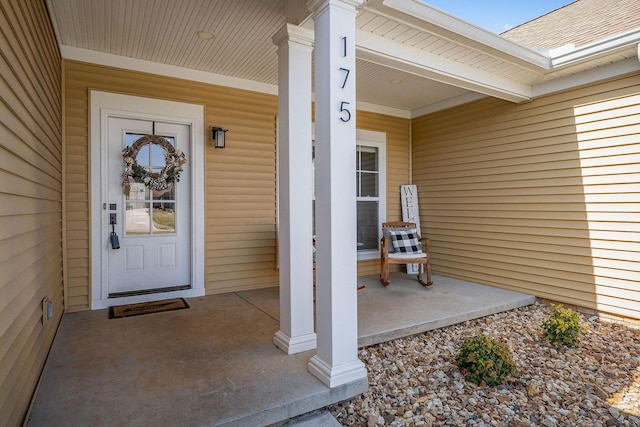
(345, 113)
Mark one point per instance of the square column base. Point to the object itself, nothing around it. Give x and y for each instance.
(295, 345)
(334, 376)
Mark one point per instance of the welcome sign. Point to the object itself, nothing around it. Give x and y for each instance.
(410, 213)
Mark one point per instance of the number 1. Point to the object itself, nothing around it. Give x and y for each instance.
(344, 46)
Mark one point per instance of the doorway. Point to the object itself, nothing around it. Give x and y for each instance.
(147, 199)
(151, 222)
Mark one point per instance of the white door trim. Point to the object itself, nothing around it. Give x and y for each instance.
(102, 106)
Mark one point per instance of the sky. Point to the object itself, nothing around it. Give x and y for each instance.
(497, 15)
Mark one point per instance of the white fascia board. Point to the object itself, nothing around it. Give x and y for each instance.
(593, 75)
(134, 64)
(593, 50)
(383, 51)
(468, 34)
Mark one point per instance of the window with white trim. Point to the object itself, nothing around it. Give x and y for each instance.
(371, 190)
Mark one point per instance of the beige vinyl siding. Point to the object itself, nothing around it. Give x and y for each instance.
(240, 196)
(397, 130)
(542, 197)
(76, 201)
(240, 204)
(30, 200)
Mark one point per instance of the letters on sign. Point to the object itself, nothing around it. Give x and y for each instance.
(410, 213)
(409, 200)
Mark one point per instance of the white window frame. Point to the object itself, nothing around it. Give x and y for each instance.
(369, 138)
(378, 140)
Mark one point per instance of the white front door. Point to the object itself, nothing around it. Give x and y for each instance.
(152, 223)
(160, 230)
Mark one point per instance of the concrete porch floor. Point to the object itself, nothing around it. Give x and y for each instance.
(215, 363)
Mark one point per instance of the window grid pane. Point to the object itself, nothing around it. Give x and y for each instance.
(140, 217)
(367, 225)
(367, 197)
(368, 184)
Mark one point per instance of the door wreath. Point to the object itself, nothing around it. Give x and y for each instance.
(174, 160)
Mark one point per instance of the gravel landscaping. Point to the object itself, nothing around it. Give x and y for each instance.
(414, 381)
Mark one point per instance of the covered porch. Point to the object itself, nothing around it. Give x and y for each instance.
(215, 363)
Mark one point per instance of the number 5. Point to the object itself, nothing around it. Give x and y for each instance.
(347, 114)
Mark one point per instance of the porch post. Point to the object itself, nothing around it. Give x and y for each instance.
(336, 361)
(295, 243)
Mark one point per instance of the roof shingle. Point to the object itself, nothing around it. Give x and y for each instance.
(580, 23)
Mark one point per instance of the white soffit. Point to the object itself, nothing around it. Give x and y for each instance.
(382, 51)
(623, 44)
(164, 32)
(399, 89)
(586, 64)
(441, 60)
(592, 62)
(589, 76)
(428, 18)
(145, 66)
(413, 37)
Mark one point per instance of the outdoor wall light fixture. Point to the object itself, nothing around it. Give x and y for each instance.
(217, 134)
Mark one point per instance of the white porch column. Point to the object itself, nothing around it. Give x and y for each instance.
(295, 242)
(336, 361)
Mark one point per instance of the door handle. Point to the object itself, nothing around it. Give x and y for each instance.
(113, 237)
(115, 242)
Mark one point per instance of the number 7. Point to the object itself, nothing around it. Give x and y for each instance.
(346, 76)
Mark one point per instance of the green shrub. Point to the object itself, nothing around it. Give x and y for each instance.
(485, 361)
(563, 327)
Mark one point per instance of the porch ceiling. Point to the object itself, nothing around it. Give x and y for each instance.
(411, 57)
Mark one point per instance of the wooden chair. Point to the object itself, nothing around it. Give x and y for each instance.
(388, 255)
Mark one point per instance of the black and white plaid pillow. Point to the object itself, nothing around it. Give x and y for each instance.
(406, 241)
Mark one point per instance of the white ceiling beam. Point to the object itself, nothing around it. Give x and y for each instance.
(383, 51)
